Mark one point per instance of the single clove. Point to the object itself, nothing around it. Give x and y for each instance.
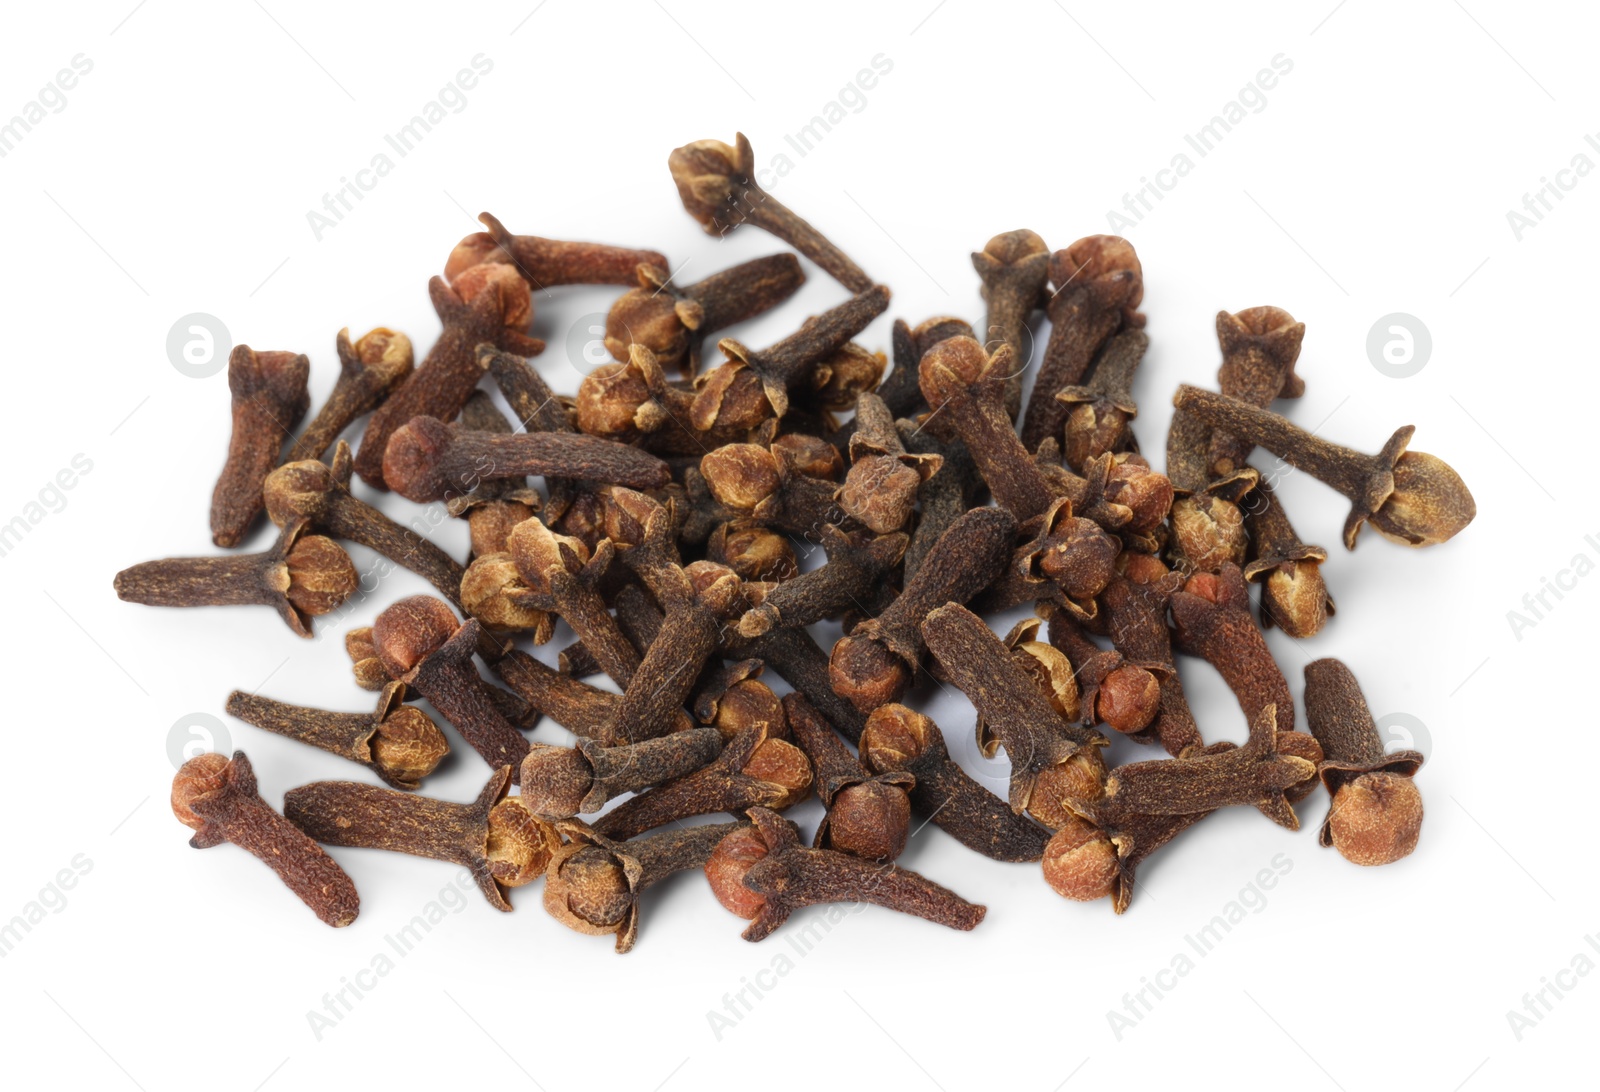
(398, 742)
(868, 814)
(564, 578)
(752, 481)
(495, 837)
(856, 566)
(1293, 594)
(1259, 348)
(546, 263)
(269, 399)
(1408, 496)
(1208, 529)
(217, 798)
(1375, 816)
(1136, 604)
(369, 371)
(718, 188)
(560, 782)
(881, 488)
(301, 576)
(1212, 619)
(1101, 411)
(753, 551)
(769, 861)
(1013, 267)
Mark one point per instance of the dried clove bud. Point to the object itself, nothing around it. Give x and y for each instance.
(900, 739)
(1213, 620)
(672, 322)
(269, 399)
(753, 551)
(564, 578)
(369, 371)
(1207, 523)
(718, 188)
(494, 506)
(546, 263)
(881, 488)
(593, 883)
(752, 770)
(302, 576)
(752, 481)
(874, 665)
(856, 566)
(787, 876)
(578, 707)
(1293, 593)
(1408, 496)
(495, 837)
(1376, 814)
(1259, 348)
(1014, 267)
(1123, 696)
(560, 782)
(1136, 605)
(217, 798)
(1102, 410)
(869, 815)
(1098, 287)
(398, 742)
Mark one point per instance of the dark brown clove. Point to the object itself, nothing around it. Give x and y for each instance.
(800, 362)
(578, 707)
(1294, 595)
(881, 487)
(496, 505)
(868, 815)
(1136, 605)
(718, 187)
(1041, 744)
(269, 399)
(1098, 287)
(320, 494)
(733, 699)
(398, 742)
(564, 578)
(1013, 267)
(753, 551)
(526, 392)
(899, 739)
(495, 838)
(1207, 523)
(546, 263)
(302, 576)
(1066, 560)
(1259, 348)
(795, 655)
(672, 322)
(1123, 696)
(560, 782)
(428, 460)
(786, 876)
(1408, 496)
(217, 798)
(754, 769)
(423, 644)
(498, 314)
(874, 665)
(1376, 814)
(752, 481)
(1100, 412)
(856, 566)
(1213, 621)
(369, 371)
(593, 883)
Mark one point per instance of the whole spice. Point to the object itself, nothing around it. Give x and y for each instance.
(269, 399)
(424, 645)
(735, 699)
(560, 782)
(869, 815)
(753, 551)
(494, 506)
(525, 390)
(546, 263)
(881, 487)
(769, 861)
(874, 665)
(799, 362)
(942, 498)
(428, 460)
(217, 798)
(672, 322)
(368, 371)
(498, 314)
(1408, 496)
(1013, 267)
(302, 576)
(398, 742)
(795, 655)
(1207, 524)
(1098, 287)
(902, 390)
(564, 578)
(1101, 410)
(1376, 814)
(593, 883)
(1213, 620)
(1293, 593)
(1049, 757)
(900, 739)
(752, 481)
(1136, 604)
(1259, 349)
(319, 493)
(857, 564)
(1123, 696)
(495, 838)
(752, 770)
(1066, 559)
(578, 707)
(718, 188)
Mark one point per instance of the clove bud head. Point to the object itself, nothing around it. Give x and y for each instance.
(201, 776)
(1080, 863)
(895, 737)
(866, 674)
(846, 374)
(411, 630)
(520, 843)
(587, 890)
(408, 745)
(516, 298)
(726, 868)
(704, 172)
(1128, 699)
(1295, 597)
(1430, 503)
(870, 820)
(1208, 532)
(1143, 491)
(741, 475)
(1375, 819)
(809, 455)
(493, 592)
(1062, 790)
(319, 574)
(951, 367)
(754, 552)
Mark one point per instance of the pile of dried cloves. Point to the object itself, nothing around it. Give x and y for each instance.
(675, 499)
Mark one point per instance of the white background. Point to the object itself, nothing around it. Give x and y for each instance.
(1377, 178)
